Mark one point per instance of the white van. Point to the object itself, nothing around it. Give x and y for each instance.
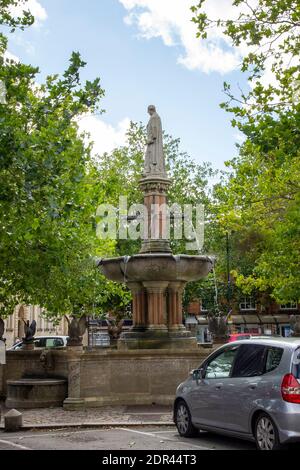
(41, 342)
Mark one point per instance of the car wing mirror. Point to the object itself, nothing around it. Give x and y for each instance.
(197, 374)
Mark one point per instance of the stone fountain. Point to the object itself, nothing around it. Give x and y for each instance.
(157, 354)
(155, 276)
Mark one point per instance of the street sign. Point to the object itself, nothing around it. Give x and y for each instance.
(2, 353)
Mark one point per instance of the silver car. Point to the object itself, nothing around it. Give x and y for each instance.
(247, 389)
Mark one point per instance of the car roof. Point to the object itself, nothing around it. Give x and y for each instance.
(274, 341)
(50, 336)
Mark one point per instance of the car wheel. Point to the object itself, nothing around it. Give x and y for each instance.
(183, 420)
(266, 433)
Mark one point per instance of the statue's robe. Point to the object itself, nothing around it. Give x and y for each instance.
(154, 158)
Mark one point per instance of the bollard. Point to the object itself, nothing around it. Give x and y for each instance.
(12, 421)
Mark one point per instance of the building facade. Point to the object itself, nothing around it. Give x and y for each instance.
(248, 316)
(14, 325)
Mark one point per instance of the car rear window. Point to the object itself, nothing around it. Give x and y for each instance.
(273, 358)
(250, 361)
(40, 342)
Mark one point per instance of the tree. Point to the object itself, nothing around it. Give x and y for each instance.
(259, 202)
(50, 190)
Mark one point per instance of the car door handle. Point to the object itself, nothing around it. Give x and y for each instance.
(218, 386)
(253, 386)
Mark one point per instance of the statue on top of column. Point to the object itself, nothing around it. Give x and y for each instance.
(154, 158)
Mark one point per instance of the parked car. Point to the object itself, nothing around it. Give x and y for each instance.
(239, 336)
(247, 389)
(44, 342)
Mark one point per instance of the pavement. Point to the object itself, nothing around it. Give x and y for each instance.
(95, 417)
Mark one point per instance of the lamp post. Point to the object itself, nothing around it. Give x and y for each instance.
(228, 270)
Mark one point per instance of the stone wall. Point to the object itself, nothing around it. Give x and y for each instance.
(111, 377)
(1, 381)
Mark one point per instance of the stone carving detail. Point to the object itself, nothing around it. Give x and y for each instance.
(160, 187)
(218, 326)
(74, 379)
(114, 330)
(30, 330)
(76, 329)
(47, 360)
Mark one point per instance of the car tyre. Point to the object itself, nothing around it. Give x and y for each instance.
(266, 433)
(183, 420)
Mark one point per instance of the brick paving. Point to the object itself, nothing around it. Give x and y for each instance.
(104, 415)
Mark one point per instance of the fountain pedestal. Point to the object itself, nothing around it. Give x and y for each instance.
(157, 314)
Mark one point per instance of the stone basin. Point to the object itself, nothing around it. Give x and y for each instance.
(156, 267)
(36, 393)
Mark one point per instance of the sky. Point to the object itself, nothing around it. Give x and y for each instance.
(145, 52)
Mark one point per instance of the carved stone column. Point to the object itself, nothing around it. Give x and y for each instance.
(155, 237)
(157, 306)
(74, 401)
(139, 304)
(175, 318)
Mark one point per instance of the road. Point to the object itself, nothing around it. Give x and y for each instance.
(139, 438)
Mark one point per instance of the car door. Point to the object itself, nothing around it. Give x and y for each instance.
(245, 386)
(206, 399)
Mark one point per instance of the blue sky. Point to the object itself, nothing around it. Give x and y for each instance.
(143, 55)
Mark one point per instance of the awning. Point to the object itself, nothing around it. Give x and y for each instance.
(267, 319)
(282, 319)
(254, 319)
(237, 319)
(260, 319)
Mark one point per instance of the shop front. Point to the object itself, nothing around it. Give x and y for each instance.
(261, 324)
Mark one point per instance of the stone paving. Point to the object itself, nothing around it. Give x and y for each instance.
(104, 415)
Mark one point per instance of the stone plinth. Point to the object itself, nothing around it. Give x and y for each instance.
(139, 377)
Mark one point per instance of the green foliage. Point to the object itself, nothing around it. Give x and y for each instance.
(50, 189)
(259, 202)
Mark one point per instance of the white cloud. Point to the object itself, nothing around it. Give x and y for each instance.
(35, 8)
(170, 20)
(11, 57)
(104, 136)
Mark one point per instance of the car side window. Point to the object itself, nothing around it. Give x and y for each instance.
(49, 342)
(273, 359)
(40, 343)
(250, 361)
(220, 366)
(54, 342)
